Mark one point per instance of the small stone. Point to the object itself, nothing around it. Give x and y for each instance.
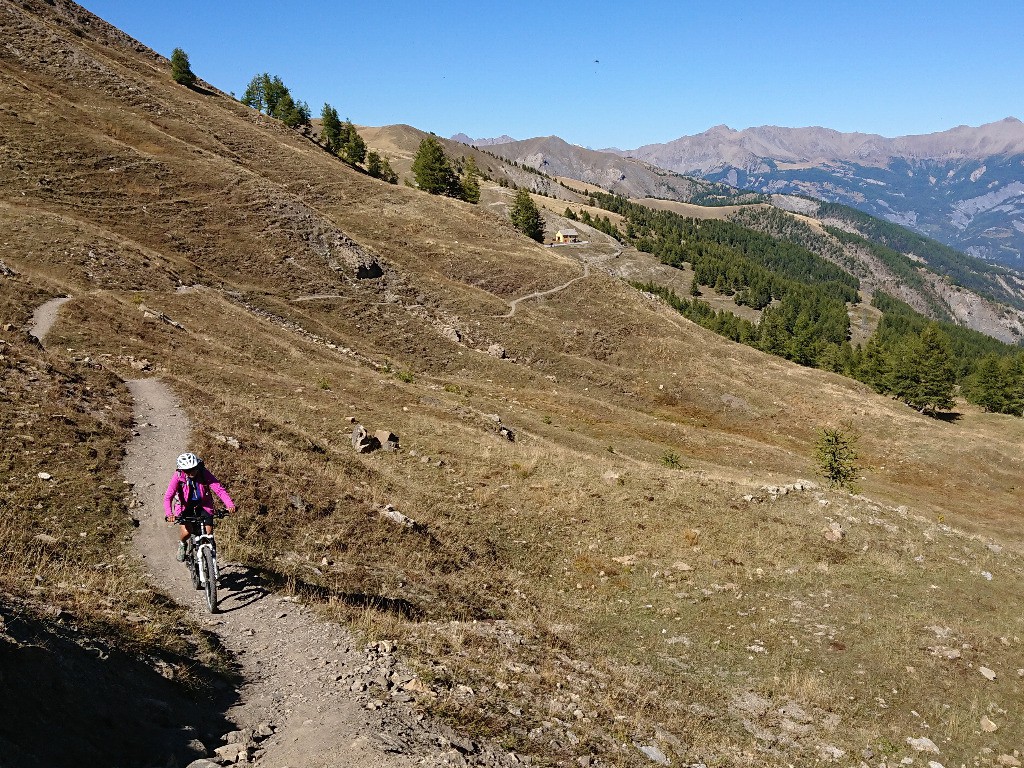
(923, 744)
(655, 754)
(1010, 761)
(834, 532)
(44, 476)
(230, 752)
(830, 752)
(987, 673)
(264, 731)
(988, 726)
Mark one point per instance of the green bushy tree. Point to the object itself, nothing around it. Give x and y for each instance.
(181, 71)
(379, 167)
(836, 454)
(525, 216)
(330, 129)
(353, 148)
(470, 181)
(432, 170)
(269, 94)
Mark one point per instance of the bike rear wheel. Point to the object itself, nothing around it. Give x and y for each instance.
(210, 569)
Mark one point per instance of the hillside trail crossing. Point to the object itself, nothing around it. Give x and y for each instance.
(298, 670)
(304, 678)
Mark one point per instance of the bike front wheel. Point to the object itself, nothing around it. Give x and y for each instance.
(193, 564)
(209, 567)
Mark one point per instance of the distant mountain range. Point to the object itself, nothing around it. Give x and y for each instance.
(464, 139)
(963, 187)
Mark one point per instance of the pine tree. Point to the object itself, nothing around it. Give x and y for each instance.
(380, 168)
(330, 129)
(836, 452)
(353, 148)
(432, 171)
(988, 385)
(936, 375)
(275, 95)
(470, 182)
(254, 95)
(181, 72)
(525, 216)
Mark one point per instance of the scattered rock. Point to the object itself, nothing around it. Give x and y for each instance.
(652, 752)
(923, 744)
(751, 703)
(988, 726)
(387, 440)
(830, 752)
(45, 538)
(496, 350)
(1010, 761)
(834, 532)
(231, 442)
(44, 476)
(395, 516)
(987, 673)
(363, 441)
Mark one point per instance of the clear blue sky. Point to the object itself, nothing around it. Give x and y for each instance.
(603, 74)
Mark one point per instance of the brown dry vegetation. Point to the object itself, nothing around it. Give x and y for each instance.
(565, 594)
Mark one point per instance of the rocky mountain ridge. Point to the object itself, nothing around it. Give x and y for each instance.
(963, 187)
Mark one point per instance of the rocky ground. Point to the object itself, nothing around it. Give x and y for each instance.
(310, 694)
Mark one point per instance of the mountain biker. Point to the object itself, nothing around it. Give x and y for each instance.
(192, 487)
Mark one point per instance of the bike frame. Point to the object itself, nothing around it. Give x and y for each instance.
(200, 542)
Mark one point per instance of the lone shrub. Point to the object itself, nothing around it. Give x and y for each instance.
(181, 72)
(836, 453)
(672, 460)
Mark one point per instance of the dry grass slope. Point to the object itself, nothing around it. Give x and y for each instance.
(565, 594)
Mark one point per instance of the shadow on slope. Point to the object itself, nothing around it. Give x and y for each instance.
(71, 700)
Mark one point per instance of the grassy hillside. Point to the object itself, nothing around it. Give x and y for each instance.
(652, 562)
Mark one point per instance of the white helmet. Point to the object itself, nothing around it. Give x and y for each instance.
(188, 461)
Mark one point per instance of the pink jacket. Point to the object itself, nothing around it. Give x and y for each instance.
(174, 499)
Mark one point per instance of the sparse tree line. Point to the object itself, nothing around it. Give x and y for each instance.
(804, 317)
(920, 362)
(268, 94)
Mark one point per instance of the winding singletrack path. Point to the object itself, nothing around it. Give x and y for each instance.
(298, 670)
(45, 316)
(540, 294)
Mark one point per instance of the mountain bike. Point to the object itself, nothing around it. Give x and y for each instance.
(201, 555)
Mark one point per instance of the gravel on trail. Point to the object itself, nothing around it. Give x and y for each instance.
(312, 695)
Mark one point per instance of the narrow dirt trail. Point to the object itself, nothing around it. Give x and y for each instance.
(540, 294)
(45, 316)
(324, 699)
